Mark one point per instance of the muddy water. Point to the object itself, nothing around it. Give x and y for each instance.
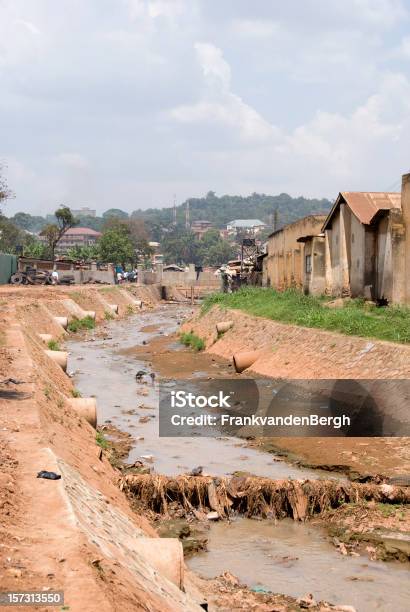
(296, 559)
(102, 370)
(288, 557)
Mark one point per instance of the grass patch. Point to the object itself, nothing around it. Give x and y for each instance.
(75, 393)
(101, 440)
(195, 342)
(77, 324)
(130, 309)
(108, 316)
(356, 318)
(53, 345)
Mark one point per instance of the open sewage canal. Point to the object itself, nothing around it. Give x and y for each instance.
(282, 557)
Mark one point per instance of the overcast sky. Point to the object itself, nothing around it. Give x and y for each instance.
(124, 103)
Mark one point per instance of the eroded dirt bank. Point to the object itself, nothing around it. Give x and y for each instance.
(295, 352)
(78, 533)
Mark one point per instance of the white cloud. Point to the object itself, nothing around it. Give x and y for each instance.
(72, 160)
(255, 28)
(220, 106)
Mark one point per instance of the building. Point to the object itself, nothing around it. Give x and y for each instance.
(361, 249)
(77, 236)
(284, 264)
(84, 212)
(367, 244)
(199, 228)
(238, 226)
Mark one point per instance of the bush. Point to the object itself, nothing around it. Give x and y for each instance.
(195, 342)
(53, 345)
(77, 324)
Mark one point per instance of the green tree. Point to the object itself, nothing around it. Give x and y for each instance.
(115, 246)
(53, 232)
(34, 248)
(115, 212)
(219, 253)
(10, 236)
(85, 253)
(181, 247)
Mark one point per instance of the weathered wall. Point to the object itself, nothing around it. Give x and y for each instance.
(314, 283)
(284, 264)
(405, 203)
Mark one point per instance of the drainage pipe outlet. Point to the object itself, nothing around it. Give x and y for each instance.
(114, 307)
(165, 555)
(59, 357)
(45, 337)
(63, 321)
(223, 326)
(244, 360)
(86, 408)
(138, 303)
(89, 313)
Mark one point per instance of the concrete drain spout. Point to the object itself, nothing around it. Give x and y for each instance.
(85, 407)
(223, 326)
(63, 321)
(245, 359)
(59, 357)
(90, 314)
(114, 307)
(166, 556)
(45, 337)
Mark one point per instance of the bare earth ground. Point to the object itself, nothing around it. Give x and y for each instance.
(296, 352)
(44, 543)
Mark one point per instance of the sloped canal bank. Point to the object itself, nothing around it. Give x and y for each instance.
(105, 364)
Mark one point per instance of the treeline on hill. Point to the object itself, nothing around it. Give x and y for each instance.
(281, 210)
(125, 238)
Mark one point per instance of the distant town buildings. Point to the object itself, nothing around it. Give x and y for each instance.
(199, 228)
(84, 212)
(361, 249)
(77, 236)
(245, 225)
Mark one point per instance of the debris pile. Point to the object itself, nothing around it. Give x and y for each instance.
(251, 496)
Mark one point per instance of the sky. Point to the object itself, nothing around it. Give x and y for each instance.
(128, 103)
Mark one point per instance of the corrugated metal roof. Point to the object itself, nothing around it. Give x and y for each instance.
(365, 205)
(246, 223)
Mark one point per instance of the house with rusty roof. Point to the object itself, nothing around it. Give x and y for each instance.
(361, 249)
(364, 243)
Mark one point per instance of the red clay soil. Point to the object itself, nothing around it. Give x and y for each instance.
(295, 352)
(42, 547)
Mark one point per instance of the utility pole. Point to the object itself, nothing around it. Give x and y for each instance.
(187, 214)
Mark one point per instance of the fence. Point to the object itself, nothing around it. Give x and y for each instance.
(8, 265)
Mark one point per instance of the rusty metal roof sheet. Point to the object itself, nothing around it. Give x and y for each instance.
(365, 205)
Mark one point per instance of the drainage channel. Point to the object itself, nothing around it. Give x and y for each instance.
(295, 558)
(102, 368)
(285, 557)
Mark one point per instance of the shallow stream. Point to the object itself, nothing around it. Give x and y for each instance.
(286, 557)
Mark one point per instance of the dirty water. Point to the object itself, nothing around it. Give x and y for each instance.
(102, 368)
(295, 558)
(287, 557)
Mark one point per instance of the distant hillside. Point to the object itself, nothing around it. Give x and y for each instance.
(282, 209)
(221, 210)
